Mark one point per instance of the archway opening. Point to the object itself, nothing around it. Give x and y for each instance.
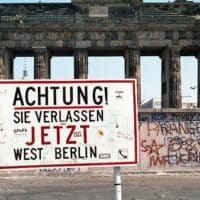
(106, 67)
(62, 67)
(23, 68)
(151, 81)
(189, 81)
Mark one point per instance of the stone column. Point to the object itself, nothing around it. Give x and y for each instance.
(171, 79)
(80, 64)
(164, 78)
(7, 69)
(2, 66)
(198, 81)
(132, 69)
(41, 63)
(175, 99)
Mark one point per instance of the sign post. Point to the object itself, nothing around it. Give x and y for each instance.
(117, 184)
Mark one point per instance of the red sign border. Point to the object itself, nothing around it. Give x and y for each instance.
(135, 115)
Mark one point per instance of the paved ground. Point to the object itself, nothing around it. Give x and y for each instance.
(88, 187)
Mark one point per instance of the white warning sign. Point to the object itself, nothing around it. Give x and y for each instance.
(68, 123)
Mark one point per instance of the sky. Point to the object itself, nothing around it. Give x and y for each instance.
(113, 67)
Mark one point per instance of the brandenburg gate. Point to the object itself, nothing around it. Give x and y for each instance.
(82, 28)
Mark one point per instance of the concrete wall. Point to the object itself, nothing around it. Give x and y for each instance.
(169, 140)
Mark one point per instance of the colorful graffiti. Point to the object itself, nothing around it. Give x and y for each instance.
(169, 140)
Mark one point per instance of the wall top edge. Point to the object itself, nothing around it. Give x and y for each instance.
(97, 2)
(170, 110)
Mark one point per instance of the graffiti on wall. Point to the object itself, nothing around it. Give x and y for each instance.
(169, 140)
(58, 171)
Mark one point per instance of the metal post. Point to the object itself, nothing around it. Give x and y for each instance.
(117, 183)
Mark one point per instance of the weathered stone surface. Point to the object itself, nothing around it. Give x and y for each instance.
(80, 64)
(133, 69)
(42, 62)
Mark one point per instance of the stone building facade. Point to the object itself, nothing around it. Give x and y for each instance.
(83, 28)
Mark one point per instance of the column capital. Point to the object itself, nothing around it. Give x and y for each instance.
(81, 50)
(174, 48)
(130, 52)
(40, 49)
(176, 51)
(133, 49)
(171, 48)
(167, 51)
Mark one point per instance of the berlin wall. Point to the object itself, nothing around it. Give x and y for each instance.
(169, 139)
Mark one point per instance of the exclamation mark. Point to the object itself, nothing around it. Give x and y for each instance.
(106, 95)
